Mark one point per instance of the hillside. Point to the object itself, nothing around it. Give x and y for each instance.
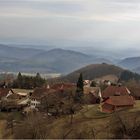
(137, 70)
(132, 63)
(93, 71)
(88, 123)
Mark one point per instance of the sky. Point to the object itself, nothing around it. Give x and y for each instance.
(105, 24)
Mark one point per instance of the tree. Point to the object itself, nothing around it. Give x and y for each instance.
(38, 76)
(28, 82)
(50, 102)
(19, 80)
(35, 126)
(70, 107)
(80, 88)
(80, 84)
(19, 77)
(125, 126)
(38, 80)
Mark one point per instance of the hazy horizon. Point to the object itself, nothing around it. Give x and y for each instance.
(105, 24)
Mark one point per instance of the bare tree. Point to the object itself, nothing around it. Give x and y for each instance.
(33, 127)
(126, 126)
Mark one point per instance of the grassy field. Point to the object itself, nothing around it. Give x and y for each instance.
(90, 123)
(4, 116)
(87, 123)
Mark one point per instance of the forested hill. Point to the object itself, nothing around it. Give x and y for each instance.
(93, 71)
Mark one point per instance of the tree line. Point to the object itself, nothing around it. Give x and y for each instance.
(28, 82)
(128, 75)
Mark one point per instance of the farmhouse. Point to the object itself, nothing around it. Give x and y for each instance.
(115, 91)
(6, 93)
(38, 94)
(9, 100)
(114, 103)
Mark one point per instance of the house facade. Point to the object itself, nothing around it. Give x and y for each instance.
(93, 94)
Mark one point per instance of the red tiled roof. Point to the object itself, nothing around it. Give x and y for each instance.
(120, 100)
(63, 86)
(114, 90)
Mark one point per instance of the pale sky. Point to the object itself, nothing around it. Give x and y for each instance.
(111, 23)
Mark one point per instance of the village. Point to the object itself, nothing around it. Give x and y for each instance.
(112, 98)
(95, 100)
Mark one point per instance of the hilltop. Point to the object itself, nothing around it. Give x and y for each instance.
(93, 71)
(99, 71)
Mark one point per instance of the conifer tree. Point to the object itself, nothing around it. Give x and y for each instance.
(80, 84)
(19, 80)
(80, 88)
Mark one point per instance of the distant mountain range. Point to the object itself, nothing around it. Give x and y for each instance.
(52, 61)
(56, 60)
(132, 63)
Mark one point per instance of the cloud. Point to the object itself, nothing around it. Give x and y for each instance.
(63, 22)
(106, 10)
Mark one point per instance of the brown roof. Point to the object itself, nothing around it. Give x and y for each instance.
(120, 100)
(63, 86)
(38, 93)
(115, 90)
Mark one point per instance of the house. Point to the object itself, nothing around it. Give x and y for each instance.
(38, 94)
(6, 93)
(107, 82)
(92, 94)
(93, 90)
(115, 103)
(115, 91)
(9, 100)
(87, 82)
(23, 101)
